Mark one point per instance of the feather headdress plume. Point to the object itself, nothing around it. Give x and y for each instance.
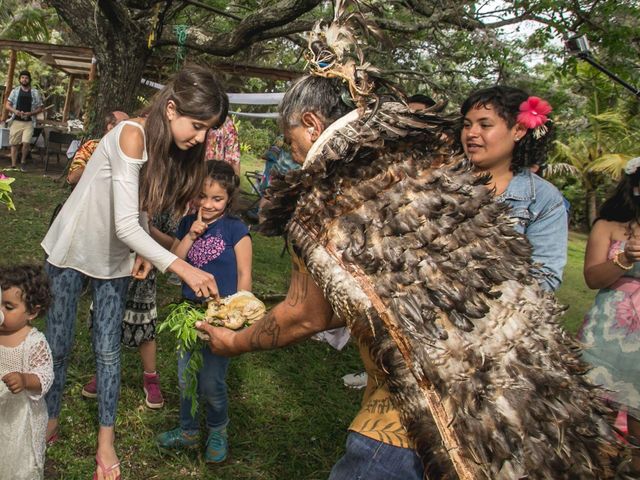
(334, 51)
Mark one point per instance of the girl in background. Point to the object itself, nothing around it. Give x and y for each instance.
(141, 167)
(611, 328)
(26, 371)
(219, 244)
(505, 133)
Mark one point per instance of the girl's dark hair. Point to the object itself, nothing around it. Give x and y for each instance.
(171, 177)
(622, 205)
(32, 281)
(222, 173)
(506, 102)
(325, 97)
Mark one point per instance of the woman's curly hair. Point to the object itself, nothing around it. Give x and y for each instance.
(506, 102)
(32, 281)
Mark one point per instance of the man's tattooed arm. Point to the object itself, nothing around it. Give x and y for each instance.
(302, 313)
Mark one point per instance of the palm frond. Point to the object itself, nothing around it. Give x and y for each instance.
(610, 164)
(561, 169)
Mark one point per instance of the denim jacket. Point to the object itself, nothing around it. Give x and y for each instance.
(539, 210)
(36, 101)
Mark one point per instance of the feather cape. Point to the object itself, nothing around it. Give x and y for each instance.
(410, 248)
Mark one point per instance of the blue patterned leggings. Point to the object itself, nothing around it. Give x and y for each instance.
(108, 303)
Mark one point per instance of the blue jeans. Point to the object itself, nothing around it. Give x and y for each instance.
(212, 389)
(369, 459)
(108, 304)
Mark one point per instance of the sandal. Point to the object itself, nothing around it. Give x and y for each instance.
(53, 438)
(105, 470)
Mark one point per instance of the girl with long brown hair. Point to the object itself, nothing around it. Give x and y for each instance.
(143, 166)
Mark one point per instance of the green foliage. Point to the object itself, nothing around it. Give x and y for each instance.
(255, 139)
(21, 20)
(181, 321)
(595, 139)
(5, 191)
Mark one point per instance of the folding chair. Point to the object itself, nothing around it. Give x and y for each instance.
(37, 131)
(255, 178)
(57, 143)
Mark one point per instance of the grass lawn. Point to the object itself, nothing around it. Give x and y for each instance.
(289, 410)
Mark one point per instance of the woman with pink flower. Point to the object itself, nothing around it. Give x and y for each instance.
(506, 133)
(611, 328)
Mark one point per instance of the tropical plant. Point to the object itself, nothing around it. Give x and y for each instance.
(5, 191)
(599, 145)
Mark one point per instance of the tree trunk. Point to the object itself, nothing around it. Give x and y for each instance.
(119, 42)
(120, 69)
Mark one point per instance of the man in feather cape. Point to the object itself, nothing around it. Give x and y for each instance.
(395, 235)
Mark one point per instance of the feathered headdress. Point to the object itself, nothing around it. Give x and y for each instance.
(334, 51)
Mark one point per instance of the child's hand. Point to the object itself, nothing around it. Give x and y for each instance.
(141, 268)
(14, 382)
(198, 227)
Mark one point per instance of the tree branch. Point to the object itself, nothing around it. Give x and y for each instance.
(259, 26)
(213, 9)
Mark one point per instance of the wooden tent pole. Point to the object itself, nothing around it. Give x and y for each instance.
(67, 98)
(9, 83)
(92, 70)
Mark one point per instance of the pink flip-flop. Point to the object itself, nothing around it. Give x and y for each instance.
(53, 438)
(105, 470)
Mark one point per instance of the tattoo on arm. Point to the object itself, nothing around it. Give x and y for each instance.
(299, 288)
(266, 334)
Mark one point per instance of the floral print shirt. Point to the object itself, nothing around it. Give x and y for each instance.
(222, 144)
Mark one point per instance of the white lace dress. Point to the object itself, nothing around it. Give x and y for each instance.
(23, 416)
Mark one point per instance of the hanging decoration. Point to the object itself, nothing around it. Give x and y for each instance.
(181, 35)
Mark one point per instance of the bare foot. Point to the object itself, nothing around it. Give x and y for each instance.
(52, 430)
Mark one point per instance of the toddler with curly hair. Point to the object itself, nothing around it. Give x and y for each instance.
(26, 371)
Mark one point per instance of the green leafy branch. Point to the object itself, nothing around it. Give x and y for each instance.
(181, 321)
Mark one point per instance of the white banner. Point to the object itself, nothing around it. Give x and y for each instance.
(241, 99)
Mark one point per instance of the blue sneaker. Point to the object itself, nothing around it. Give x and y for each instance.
(177, 438)
(217, 447)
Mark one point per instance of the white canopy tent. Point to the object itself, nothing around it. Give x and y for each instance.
(242, 99)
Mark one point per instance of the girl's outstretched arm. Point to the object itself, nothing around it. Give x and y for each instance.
(202, 283)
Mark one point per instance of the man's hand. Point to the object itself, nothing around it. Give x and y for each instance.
(14, 381)
(141, 268)
(220, 339)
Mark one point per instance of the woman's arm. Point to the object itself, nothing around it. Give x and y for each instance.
(548, 236)
(244, 252)
(599, 271)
